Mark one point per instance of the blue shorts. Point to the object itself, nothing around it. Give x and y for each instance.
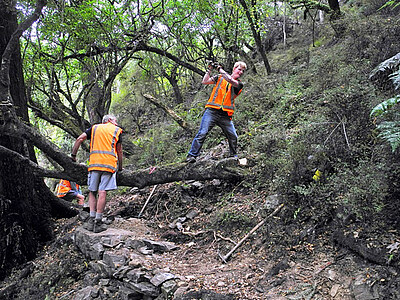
(102, 181)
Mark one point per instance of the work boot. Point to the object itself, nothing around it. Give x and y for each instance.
(190, 159)
(99, 226)
(89, 224)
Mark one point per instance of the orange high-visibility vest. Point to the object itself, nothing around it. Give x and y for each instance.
(64, 186)
(103, 153)
(222, 96)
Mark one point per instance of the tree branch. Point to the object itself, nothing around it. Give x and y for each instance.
(140, 46)
(227, 169)
(181, 122)
(13, 42)
(36, 169)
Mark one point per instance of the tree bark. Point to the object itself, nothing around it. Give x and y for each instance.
(24, 211)
(256, 36)
(227, 169)
(202, 170)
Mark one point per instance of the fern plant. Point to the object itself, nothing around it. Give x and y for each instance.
(390, 126)
(393, 3)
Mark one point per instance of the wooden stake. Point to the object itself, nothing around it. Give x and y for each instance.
(226, 257)
(147, 201)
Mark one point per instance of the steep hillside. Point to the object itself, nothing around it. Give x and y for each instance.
(310, 145)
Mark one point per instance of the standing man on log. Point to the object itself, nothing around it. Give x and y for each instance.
(219, 108)
(104, 160)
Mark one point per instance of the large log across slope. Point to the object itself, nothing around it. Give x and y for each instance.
(227, 169)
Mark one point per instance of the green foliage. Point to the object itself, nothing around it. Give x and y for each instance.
(391, 3)
(385, 106)
(233, 219)
(390, 132)
(390, 126)
(363, 188)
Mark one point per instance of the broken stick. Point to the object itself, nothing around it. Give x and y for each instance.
(147, 201)
(226, 257)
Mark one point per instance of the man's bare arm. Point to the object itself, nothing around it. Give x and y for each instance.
(77, 144)
(228, 77)
(118, 147)
(207, 79)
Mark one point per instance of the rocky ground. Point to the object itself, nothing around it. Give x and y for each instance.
(174, 250)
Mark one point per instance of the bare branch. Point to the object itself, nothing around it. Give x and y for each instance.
(181, 122)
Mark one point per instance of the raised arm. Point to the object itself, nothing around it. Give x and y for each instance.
(207, 79)
(228, 77)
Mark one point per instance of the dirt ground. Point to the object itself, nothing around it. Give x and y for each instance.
(278, 261)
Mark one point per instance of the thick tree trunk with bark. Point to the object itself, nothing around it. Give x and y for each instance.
(25, 219)
(227, 169)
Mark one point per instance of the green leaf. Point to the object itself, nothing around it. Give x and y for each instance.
(390, 132)
(383, 107)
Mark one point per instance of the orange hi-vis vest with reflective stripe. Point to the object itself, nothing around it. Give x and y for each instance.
(103, 153)
(223, 96)
(64, 186)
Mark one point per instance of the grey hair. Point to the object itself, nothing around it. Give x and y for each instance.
(107, 118)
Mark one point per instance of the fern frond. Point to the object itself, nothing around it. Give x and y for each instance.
(390, 132)
(395, 77)
(390, 64)
(390, 3)
(383, 107)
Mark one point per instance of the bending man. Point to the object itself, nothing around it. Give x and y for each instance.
(69, 190)
(105, 159)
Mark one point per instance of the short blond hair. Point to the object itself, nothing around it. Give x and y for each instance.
(240, 64)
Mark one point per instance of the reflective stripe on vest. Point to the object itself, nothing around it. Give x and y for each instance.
(64, 187)
(222, 96)
(103, 154)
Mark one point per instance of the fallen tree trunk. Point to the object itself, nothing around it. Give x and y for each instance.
(227, 169)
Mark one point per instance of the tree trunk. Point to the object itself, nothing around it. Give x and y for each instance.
(256, 35)
(226, 169)
(25, 219)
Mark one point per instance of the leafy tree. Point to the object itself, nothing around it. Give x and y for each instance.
(91, 42)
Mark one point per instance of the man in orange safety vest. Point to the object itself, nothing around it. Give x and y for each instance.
(104, 161)
(219, 108)
(69, 190)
